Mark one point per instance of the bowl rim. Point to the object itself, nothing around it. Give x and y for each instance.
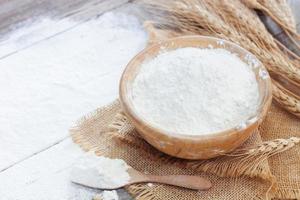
(260, 113)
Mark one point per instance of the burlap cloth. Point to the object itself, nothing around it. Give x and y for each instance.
(108, 132)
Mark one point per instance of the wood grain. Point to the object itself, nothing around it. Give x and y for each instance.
(15, 12)
(30, 177)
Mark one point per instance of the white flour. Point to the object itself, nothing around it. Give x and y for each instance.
(107, 195)
(110, 195)
(101, 171)
(195, 91)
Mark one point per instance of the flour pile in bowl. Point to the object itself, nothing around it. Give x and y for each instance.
(195, 91)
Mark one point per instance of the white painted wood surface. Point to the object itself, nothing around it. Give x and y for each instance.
(21, 146)
(46, 173)
(44, 169)
(43, 174)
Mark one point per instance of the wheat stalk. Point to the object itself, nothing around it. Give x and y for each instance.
(246, 161)
(242, 161)
(233, 21)
(249, 159)
(289, 101)
(222, 22)
(288, 51)
(268, 148)
(279, 11)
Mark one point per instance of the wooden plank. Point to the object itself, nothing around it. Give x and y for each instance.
(88, 10)
(44, 173)
(108, 77)
(16, 12)
(26, 144)
(46, 176)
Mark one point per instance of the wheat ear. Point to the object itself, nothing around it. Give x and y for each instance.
(267, 148)
(233, 21)
(287, 100)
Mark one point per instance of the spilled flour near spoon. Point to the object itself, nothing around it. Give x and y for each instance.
(195, 91)
(107, 195)
(100, 172)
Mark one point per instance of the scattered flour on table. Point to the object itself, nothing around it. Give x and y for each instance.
(23, 36)
(100, 171)
(107, 195)
(110, 195)
(195, 91)
(45, 176)
(45, 88)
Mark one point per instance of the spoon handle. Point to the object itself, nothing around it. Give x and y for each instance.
(186, 181)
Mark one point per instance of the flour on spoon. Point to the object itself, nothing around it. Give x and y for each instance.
(100, 172)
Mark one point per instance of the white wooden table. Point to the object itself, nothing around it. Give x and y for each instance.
(35, 173)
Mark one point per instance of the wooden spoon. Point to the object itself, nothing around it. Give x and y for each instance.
(89, 178)
(186, 181)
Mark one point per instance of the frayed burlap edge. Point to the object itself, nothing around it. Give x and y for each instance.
(78, 138)
(142, 192)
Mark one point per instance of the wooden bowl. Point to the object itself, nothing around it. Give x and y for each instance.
(195, 146)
